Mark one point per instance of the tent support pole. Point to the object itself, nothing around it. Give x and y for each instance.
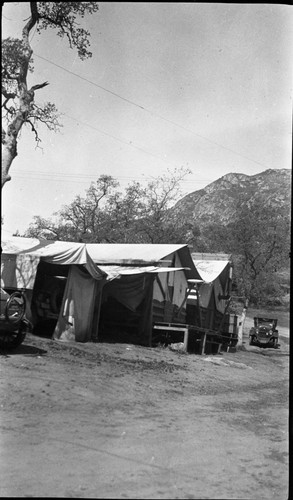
(96, 315)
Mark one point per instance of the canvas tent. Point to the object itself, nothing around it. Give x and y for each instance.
(145, 283)
(106, 287)
(208, 304)
(31, 264)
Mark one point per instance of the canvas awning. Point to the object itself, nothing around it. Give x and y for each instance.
(117, 271)
(209, 270)
(20, 257)
(155, 256)
(131, 254)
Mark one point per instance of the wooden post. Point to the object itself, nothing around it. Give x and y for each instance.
(241, 325)
(98, 292)
(204, 342)
(149, 311)
(185, 345)
(198, 307)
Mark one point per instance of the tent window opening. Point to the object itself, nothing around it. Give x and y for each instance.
(171, 286)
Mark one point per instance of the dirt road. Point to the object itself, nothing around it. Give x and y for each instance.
(122, 421)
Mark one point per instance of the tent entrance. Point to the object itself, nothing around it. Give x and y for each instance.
(118, 323)
(47, 297)
(126, 310)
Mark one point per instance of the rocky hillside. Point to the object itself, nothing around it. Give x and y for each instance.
(216, 202)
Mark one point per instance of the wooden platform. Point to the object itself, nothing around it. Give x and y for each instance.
(195, 339)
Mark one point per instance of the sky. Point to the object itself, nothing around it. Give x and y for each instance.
(203, 86)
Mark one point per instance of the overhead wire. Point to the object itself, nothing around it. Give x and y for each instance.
(86, 178)
(58, 177)
(89, 81)
(128, 143)
(151, 112)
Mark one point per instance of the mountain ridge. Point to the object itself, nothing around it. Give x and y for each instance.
(217, 201)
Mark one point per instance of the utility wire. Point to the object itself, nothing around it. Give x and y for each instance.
(92, 83)
(90, 176)
(152, 113)
(85, 179)
(128, 143)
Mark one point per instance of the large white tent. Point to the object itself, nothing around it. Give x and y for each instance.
(128, 283)
(211, 299)
(145, 283)
(21, 262)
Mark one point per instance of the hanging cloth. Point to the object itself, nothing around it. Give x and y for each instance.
(76, 314)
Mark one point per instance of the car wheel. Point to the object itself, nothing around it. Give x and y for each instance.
(271, 343)
(11, 340)
(275, 345)
(15, 307)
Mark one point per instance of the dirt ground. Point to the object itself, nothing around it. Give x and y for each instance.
(122, 421)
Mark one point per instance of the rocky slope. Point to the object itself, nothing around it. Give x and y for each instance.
(216, 202)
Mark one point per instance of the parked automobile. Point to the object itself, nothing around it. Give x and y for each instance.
(13, 323)
(264, 332)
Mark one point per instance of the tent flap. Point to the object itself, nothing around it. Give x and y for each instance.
(75, 318)
(129, 290)
(113, 272)
(209, 270)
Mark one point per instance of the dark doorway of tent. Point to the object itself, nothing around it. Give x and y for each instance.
(126, 310)
(47, 297)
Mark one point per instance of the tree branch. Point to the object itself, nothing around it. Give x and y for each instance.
(38, 86)
(37, 139)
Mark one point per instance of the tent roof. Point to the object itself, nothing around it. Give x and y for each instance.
(130, 253)
(138, 255)
(209, 270)
(54, 252)
(97, 257)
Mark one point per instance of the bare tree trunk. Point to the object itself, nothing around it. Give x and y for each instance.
(26, 97)
(18, 106)
(9, 138)
(9, 152)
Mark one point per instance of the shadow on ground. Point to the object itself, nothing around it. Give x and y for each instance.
(24, 349)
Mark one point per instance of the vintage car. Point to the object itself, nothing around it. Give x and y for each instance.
(13, 323)
(264, 332)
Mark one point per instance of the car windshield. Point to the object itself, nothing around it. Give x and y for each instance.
(265, 325)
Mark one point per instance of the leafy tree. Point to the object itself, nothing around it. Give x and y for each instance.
(259, 239)
(214, 238)
(85, 219)
(19, 107)
(156, 223)
(124, 213)
(140, 215)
